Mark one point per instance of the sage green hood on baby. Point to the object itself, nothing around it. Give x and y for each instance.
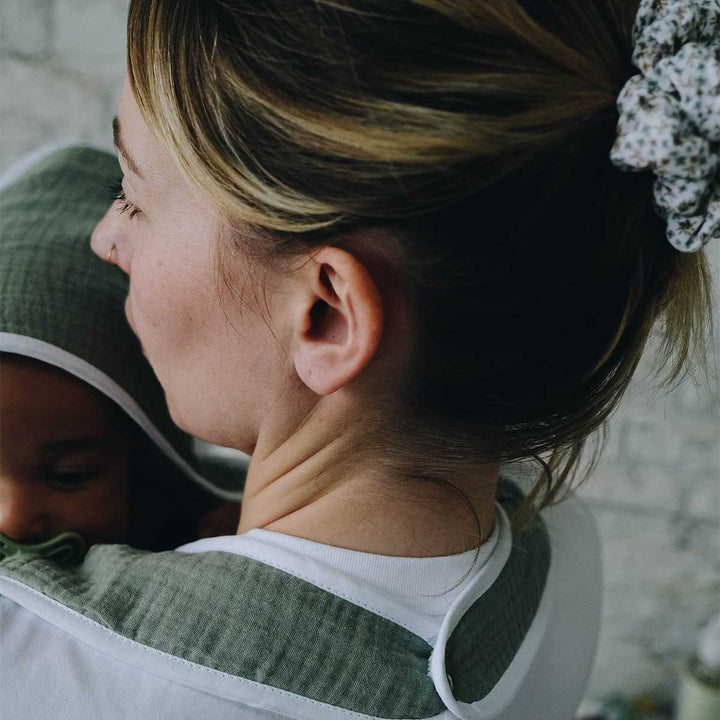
(62, 305)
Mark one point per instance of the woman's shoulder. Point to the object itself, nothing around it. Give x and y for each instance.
(218, 621)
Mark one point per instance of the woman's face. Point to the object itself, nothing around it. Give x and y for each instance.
(210, 358)
(65, 457)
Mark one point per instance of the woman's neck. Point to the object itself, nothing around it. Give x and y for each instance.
(311, 491)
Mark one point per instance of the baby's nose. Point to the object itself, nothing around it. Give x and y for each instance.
(22, 517)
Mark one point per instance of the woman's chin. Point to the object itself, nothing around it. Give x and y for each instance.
(175, 415)
(185, 418)
(194, 419)
(129, 317)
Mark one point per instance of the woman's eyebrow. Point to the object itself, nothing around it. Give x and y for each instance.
(120, 145)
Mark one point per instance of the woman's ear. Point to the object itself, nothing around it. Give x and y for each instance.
(338, 320)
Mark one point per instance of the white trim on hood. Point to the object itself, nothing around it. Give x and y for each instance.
(52, 355)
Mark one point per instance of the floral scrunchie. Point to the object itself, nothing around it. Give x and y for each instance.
(670, 115)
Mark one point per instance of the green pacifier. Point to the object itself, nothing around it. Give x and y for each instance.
(64, 549)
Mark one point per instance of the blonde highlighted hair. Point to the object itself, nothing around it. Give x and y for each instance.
(479, 134)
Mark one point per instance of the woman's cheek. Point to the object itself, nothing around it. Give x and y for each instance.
(162, 308)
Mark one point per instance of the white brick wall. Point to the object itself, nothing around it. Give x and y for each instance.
(656, 496)
(63, 63)
(657, 492)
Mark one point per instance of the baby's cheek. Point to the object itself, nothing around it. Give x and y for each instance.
(101, 515)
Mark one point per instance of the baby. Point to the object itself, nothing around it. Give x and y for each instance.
(86, 443)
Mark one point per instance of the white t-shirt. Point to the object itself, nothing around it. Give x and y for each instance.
(58, 664)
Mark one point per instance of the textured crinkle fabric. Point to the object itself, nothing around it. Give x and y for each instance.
(670, 115)
(662, 26)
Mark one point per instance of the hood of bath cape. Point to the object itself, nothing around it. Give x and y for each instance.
(62, 305)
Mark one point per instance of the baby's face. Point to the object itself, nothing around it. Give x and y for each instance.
(65, 456)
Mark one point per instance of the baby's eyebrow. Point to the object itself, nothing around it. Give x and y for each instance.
(74, 444)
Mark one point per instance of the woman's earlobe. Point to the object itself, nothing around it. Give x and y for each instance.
(340, 323)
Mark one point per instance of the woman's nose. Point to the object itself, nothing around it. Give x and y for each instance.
(106, 240)
(23, 516)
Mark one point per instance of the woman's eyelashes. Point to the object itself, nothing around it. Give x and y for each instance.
(123, 205)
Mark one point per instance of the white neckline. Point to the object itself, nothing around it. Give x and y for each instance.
(426, 586)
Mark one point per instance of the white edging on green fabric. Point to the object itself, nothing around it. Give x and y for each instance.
(28, 162)
(559, 604)
(472, 592)
(503, 693)
(505, 690)
(293, 556)
(176, 669)
(45, 352)
(336, 583)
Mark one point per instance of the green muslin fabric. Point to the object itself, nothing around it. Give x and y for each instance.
(242, 617)
(486, 639)
(54, 289)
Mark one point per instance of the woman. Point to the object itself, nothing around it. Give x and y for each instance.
(383, 249)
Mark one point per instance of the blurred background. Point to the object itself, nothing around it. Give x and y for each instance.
(656, 494)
